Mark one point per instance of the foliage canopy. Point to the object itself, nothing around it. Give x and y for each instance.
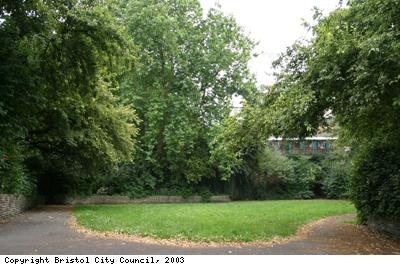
(59, 116)
(189, 66)
(350, 68)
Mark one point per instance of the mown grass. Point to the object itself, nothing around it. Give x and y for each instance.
(227, 222)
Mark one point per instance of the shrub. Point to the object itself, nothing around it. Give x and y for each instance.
(277, 174)
(125, 181)
(271, 175)
(336, 175)
(375, 181)
(307, 175)
(14, 178)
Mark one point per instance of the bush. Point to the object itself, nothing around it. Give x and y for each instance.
(277, 173)
(375, 181)
(307, 173)
(14, 178)
(336, 175)
(259, 176)
(125, 182)
(262, 175)
(272, 175)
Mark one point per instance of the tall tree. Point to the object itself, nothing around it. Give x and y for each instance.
(60, 61)
(190, 66)
(350, 68)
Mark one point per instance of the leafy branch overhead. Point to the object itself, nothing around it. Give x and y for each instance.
(349, 68)
(59, 108)
(88, 86)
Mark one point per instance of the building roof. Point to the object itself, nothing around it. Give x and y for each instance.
(315, 138)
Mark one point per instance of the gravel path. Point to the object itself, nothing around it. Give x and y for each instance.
(48, 230)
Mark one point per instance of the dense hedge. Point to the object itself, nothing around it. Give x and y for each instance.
(14, 177)
(375, 181)
(271, 175)
(263, 175)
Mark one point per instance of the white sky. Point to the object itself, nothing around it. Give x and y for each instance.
(275, 24)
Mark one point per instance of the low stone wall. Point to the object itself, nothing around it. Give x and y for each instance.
(384, 226)
(11, 205)
(103, 199)
(220, 198)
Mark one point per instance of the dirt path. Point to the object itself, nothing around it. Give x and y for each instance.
(48, 231)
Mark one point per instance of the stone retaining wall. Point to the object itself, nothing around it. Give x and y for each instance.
(103, 199)
(11, 205)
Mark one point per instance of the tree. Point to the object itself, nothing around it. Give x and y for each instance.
(190, 66)
(58, 104)
(350, 68)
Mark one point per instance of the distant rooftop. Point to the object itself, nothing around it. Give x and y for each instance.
(317, 138)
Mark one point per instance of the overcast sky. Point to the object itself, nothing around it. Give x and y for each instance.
(276, 24)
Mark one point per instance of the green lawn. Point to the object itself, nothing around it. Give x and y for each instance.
(235, 221)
